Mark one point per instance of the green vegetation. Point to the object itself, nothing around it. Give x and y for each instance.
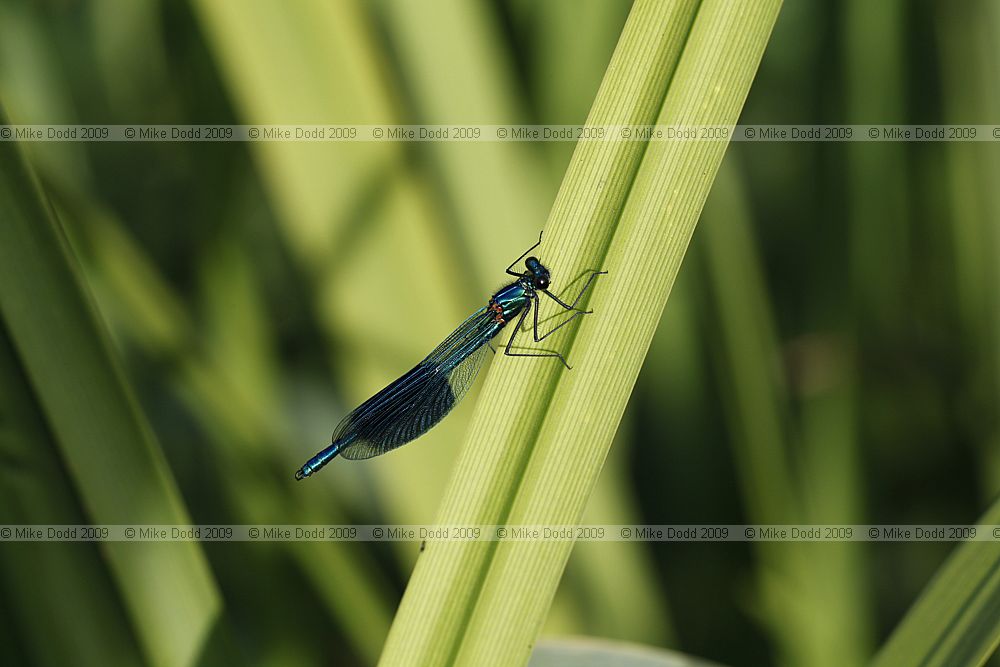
(537, 444)
(182, 324)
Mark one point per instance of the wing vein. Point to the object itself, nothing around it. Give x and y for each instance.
(420, 398)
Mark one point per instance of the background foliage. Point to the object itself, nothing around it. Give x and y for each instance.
(831, 352)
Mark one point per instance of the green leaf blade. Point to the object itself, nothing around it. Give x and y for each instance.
(956, 620)
(118, 470)
(540, 434)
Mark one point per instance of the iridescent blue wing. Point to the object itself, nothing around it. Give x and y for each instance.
(410, 406)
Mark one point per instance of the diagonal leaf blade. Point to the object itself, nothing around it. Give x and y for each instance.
(540, 435)
(111, 455)
(956, 620)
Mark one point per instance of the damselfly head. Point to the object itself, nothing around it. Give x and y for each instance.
(537, 273)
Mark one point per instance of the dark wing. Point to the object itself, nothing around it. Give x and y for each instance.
(410, 406)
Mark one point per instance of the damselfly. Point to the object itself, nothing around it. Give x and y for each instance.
(417, 401)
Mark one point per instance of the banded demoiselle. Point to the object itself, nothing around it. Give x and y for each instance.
(417, 401)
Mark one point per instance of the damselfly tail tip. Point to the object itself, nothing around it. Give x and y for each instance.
(301, 474)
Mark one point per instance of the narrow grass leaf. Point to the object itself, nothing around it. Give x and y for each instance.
(540, 435)
(111, 454)
(956, 620)
(75, 591)
(586, 652)
(248, 433)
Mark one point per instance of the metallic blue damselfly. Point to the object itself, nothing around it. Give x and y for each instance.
(413, 404)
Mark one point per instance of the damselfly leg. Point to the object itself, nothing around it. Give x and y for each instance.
(540, 337)
(593, 274)
(523, 255)
(510, 341)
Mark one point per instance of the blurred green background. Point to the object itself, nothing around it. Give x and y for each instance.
(830, 354)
